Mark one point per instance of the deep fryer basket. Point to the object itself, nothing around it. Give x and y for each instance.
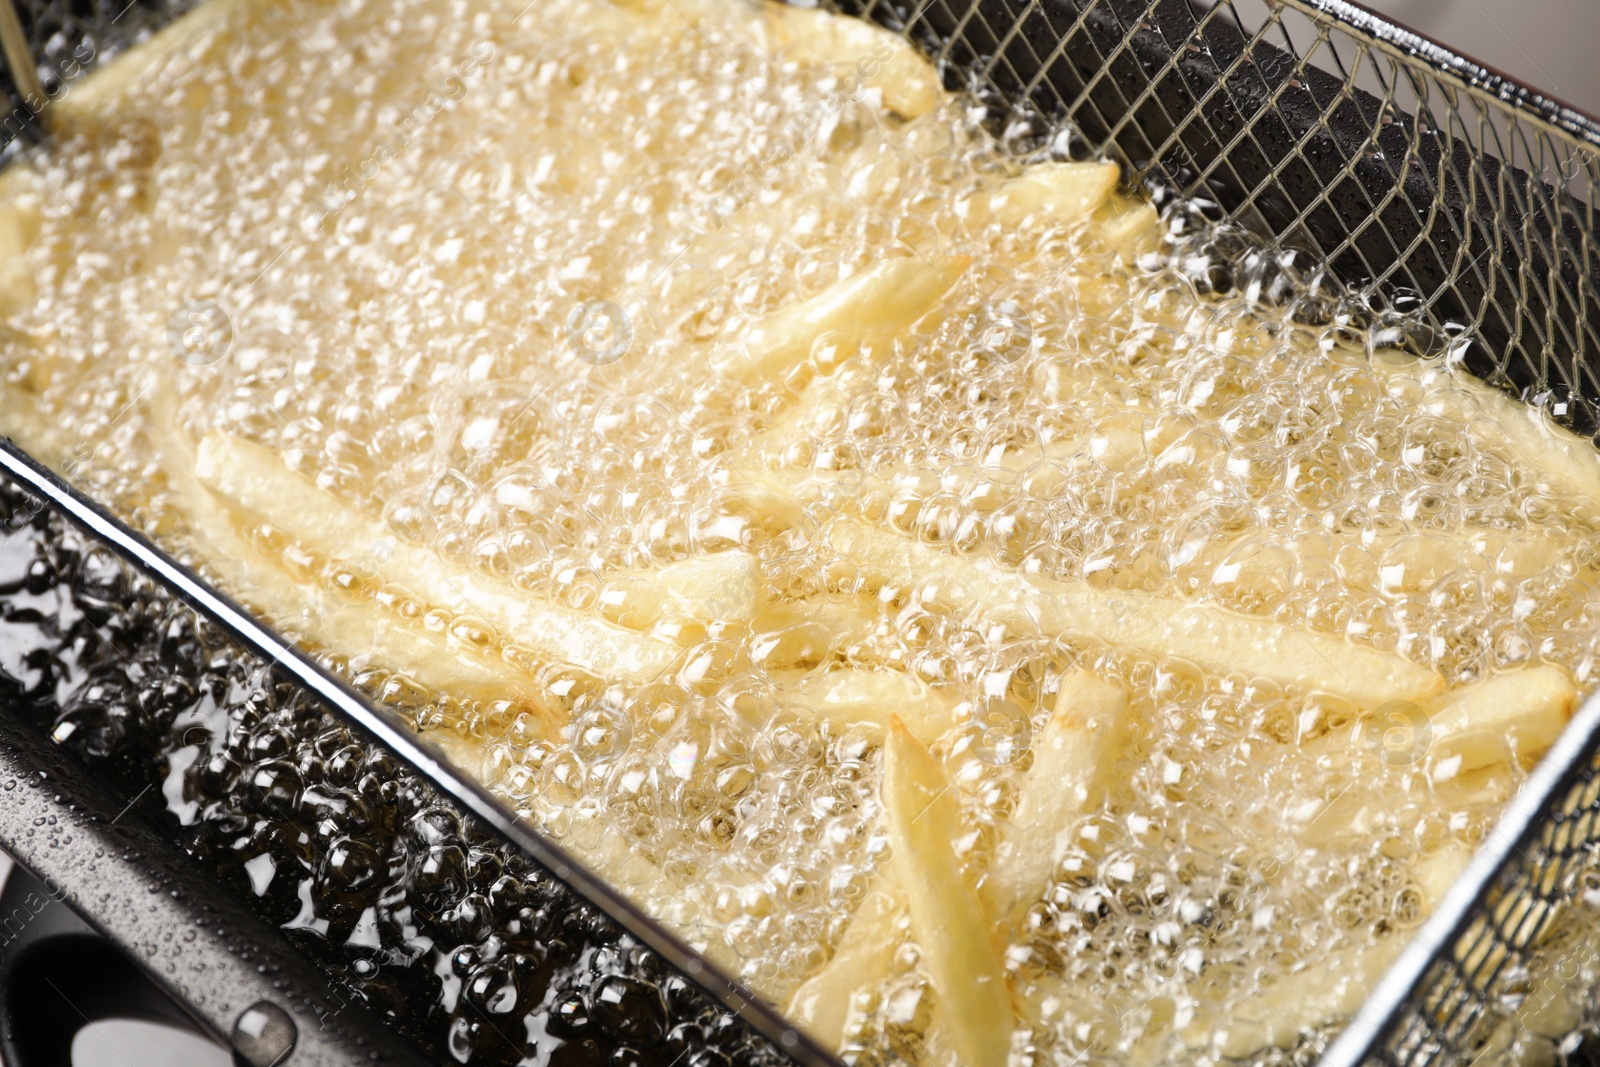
(1397, 176)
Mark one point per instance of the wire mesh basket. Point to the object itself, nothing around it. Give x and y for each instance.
(1403, 180)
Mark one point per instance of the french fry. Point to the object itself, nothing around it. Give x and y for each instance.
(1568, 464)
(1463, 739)
(437, 660)
(857, 697)
(19, 225)
(716, 587)
(885, 60)
(782, 494)
(1519, 712)
(880, 301)
(1071, 763)
(1213, 638)
(1129, 227)
(1066, 192)
(863, 957)
(253, 480)
(1282, 1011)
(849, 620)
(1516, 714)
(947, 918)
(100, 92)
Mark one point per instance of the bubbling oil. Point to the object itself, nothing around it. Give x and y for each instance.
(373, 237)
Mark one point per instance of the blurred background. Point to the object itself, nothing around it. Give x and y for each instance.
(1550, 44)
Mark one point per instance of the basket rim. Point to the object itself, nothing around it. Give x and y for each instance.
(1478, 78)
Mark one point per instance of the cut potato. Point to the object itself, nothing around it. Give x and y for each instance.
(1128, 226)
(253, 480)
(1283, 1011)
(718, 587)
(1072, 759)
(1568, 464)
(855, 697)
(863, 957)
(881, 301)
(1064, 192)
(19, 225)
(947, 919)
(1518, 714)
(436, 660)
(1214, 638)
(885, 60)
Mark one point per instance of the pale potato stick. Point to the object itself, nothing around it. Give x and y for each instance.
(863, 957)
(19, 225)
(467, 753)
(357, 625)
(858, 697)
(850, 619)
(1071, 763)
(887, 61)
(1521, 712)
(947, 918)
(783, 493)
(1435, 872)
(716, 587)
(1066, 192)
(103, 88)
(713, 587)
(1469, 734)
(1281, 1012)
(1567, 463)
(254, 480)
(882, 300)
(1211, 637)
(1470, 727)
(1128, 226)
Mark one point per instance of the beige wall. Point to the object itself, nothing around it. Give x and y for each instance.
(1550, 44)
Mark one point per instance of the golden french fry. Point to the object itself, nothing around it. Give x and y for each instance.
(1568, 464)
(883, 59)
(1072, 757)
(863, 957)
(856, 697)
(253, 480)
(882, 300)
(947, 918)
(1213, 638)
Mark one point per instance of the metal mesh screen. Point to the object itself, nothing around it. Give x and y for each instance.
(1417, 181)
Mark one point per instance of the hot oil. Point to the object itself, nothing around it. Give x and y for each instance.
(475, 268)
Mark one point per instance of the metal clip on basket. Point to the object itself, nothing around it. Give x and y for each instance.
(1419, 179)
